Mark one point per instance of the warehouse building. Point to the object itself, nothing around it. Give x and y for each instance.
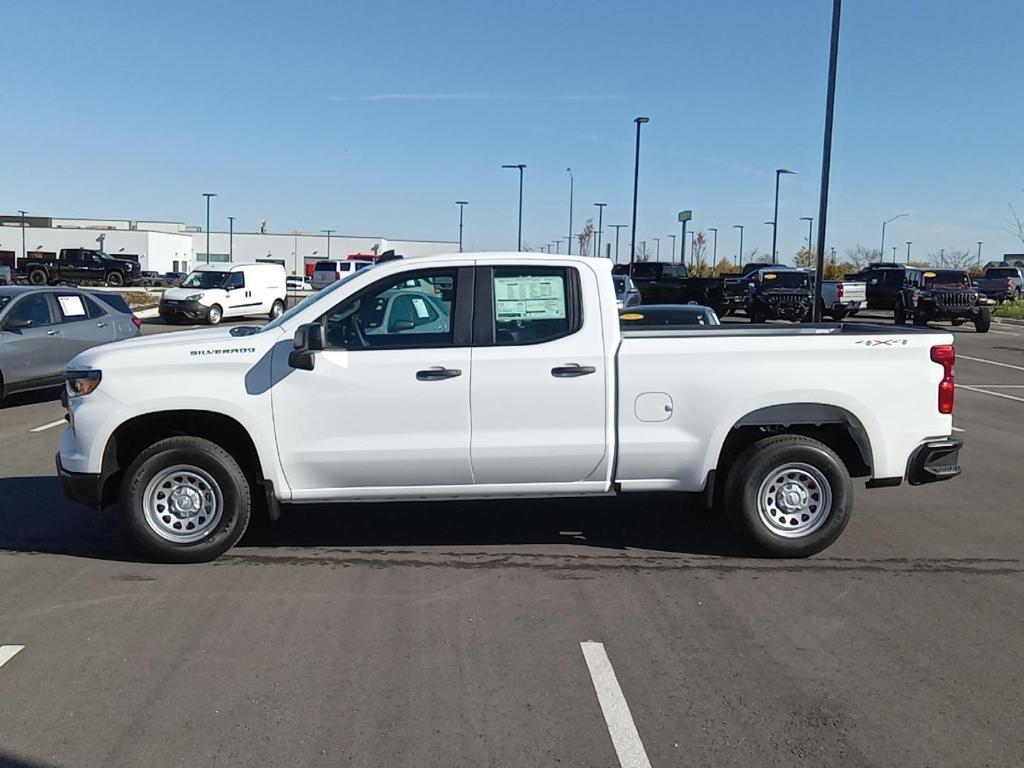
(171, 246)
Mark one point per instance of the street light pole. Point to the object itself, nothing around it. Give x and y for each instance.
(24, 255)
(617, 227)
(810, 229)
(979, 254)
(881, 250)
(572, 183)
(461, 204)
(231, 238)
(208, 195)
(600, 224)
(714, 248)
(775, 219)
(636, 183)
(657, 246)
(739, 259)
(520, 166)
(908, 251)
(328, 232)
(672, 251)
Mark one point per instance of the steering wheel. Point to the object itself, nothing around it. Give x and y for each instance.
(356, 323)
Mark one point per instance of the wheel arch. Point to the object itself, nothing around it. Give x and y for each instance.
(832, 425)
(134, 435)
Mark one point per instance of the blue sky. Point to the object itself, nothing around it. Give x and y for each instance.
(373, 117)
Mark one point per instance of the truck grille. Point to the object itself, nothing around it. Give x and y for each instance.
(956, 299)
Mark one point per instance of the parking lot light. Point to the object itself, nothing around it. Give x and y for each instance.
(881, 250)
(775, 221)
(462, 204)
(520, 166)
(600, 224)
(14, 266)
(810, 231)
(208, 195)
(231, 238)
(908, 251)
(328, 233)
(714, 248)
(572, 183)
(617, 227)
(672, 252)
(636, 182)
(739, 257)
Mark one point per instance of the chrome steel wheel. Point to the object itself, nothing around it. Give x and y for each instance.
(277, 310)
(794, 500)
(214, 315)
(182, 504)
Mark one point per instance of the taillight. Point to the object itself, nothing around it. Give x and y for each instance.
(945, 356)
(137, 321)
(1009, 283)
(839, 291)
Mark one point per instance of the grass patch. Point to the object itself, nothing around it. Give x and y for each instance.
(140, 299)
(1014, 309)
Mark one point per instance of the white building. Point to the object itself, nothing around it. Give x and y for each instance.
(170, 246)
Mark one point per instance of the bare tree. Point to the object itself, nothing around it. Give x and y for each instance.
(698, 250)
(952, 258)
(861, 256)
(585, 237)
(1015, 226)
(805, 258)
(642, 252)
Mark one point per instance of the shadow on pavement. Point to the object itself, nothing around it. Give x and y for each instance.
(35, 517)
(8, 760)
(47, 395)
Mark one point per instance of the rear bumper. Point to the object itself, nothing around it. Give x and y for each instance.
(82, 487)
(935, 460)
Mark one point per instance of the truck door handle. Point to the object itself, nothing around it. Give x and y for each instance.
(437, 373)
(101, 325)
(571, 370)
(52, 332)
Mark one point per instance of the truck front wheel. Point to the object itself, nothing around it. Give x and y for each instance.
(789, 496)
(115, 279)
(37, 277)
(983, 320)
(185, 500)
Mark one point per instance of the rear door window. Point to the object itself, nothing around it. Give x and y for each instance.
(34, 308)
(532, 305)
(237, 280)
(72, 307)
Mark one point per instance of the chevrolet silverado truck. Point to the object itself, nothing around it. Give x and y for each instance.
(482, 376)
(78, 265)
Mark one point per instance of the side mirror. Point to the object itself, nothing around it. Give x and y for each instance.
(309, 339)
(17, 323)
(401, 325)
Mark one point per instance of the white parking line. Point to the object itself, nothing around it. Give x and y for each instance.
(995, 394)
(994, 386)
(625, 738)
(8, 652)
(45, 427)
(990, 362)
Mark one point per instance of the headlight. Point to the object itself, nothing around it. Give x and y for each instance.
(194, 297)
(81, 383)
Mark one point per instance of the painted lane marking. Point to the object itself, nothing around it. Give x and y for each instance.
(957, 429)
(8, 652)
(625, 739)
(995, 394)
(994, 386)
(1005, 333)
(45, 427)
(990, 362)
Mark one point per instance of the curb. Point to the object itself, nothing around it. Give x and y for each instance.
(1009, 321)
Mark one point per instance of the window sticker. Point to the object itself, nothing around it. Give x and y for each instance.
(530, 298)
(71, 306)
(421, 307)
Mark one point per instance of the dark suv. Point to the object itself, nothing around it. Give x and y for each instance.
(779, 294)
(941, 294)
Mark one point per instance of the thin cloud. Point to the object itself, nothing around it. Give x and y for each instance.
(472, 97)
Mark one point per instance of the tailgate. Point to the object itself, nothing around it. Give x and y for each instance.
(853, 292)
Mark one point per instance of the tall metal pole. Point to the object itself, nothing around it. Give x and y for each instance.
(520, 166)
(600, 225)
(682, 242)
(657, 245)
(714, 249)
(810, 229)
(328, 233)
(231, 238)
(881, 249)
(979, 254)
(24, 254)
(775, 218)
(636, 183)
(208, 195)
(739, 256)
(572, 183)
(461, 204)
(908, 251)
(672, 251)
(826, 160)
(617, 227)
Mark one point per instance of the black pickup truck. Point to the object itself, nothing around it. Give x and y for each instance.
(670, 283)
(942, 294)
(79, 265)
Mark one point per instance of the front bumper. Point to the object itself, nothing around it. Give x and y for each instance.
(935, 460)
(85, 488)
(183, 310)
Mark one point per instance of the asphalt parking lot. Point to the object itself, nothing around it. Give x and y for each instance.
(513, 633)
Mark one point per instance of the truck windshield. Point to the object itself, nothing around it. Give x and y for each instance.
(312, 298)
(1002, 272)
(205, 279)
(947, 277)
(785, 280)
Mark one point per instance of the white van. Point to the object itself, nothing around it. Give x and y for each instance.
(327, 272)
(214, 291)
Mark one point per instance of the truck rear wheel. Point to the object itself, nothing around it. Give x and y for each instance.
(899, 312)
(277, 310)
(789, 496)
(37, 277)
(983, 320)
(185, 500)
(115, 279)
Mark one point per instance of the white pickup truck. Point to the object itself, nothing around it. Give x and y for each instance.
(477, 376)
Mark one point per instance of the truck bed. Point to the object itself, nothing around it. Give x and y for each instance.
(804, 329)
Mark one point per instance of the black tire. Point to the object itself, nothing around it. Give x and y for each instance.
(215, 462)
(899, 312)
(37, 277)
(115, 279)
(214, 315)
(756, 315)
(838, 314)
(277, 309)
(756, 467)
(983, 320)
(920, 317)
